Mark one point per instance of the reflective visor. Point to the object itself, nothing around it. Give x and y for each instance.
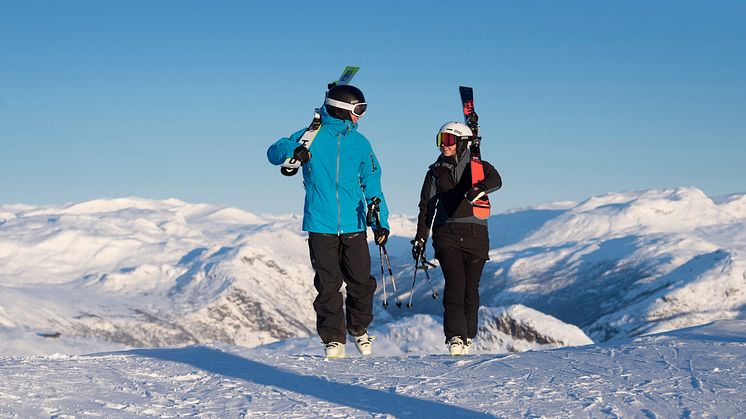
(359, 109)
(445, 138)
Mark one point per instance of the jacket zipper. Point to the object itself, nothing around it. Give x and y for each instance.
(339, 206)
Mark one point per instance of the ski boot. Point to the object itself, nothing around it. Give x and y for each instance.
(467, 347)
(455, 346)
(334, 350)
(363, 343)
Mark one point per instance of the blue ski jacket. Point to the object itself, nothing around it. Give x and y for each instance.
(341, 178)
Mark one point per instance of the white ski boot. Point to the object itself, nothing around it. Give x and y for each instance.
(467, 347)
(455, 346)
(363, 343)
(334, 350)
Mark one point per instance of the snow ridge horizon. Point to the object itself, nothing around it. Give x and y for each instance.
(139, 272)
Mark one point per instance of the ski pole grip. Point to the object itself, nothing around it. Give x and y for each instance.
(373, 212)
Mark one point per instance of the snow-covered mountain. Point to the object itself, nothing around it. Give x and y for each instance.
(154, 273)
(624, 264)
(115, 273)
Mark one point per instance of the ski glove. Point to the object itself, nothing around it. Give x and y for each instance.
(475, 193)
(418, 247)
(302, 154)
(381, 236)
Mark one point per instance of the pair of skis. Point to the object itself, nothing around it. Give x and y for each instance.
(290, 166)
(481, 206)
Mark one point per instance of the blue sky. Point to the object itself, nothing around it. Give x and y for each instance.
(182, 98)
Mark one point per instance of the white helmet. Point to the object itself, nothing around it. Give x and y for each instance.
(458, 129)
(451, 132)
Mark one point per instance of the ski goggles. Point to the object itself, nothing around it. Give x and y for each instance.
(357, 109)
(446, 139)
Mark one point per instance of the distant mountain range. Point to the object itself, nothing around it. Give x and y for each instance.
(145, 273)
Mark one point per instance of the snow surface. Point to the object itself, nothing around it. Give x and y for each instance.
(696, 372)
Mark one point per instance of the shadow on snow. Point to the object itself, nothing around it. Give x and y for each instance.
(357, 397)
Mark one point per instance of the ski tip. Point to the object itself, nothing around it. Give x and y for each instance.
(347, 74)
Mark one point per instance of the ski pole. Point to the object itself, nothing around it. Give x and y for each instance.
(391, 275)
(411, 293)
(383, 279)
(425, 267)
(374, 216)
(414, 279)
(374, 208)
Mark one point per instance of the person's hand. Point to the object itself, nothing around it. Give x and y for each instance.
(418, 247)
(381, 236)
(475, 193)
(302, 154)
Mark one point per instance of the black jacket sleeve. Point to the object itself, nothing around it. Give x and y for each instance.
(428, 202)
(492, 180)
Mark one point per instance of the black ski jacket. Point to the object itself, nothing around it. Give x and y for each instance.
(443, 197)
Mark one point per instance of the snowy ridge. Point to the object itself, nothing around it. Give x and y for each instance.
(146, 273)
(154, 273)
(501, 330)
(624, 264)
(518, 328)
(140, 273)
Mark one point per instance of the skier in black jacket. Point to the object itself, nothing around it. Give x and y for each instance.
(461, 240)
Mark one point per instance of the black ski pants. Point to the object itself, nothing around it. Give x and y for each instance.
(337, 259)
(461, 250)
(461, 271)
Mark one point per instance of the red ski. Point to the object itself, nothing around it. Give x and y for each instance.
(481, 207)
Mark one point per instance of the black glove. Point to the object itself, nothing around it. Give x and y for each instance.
(302, 154)
(418, 247)
(475, 193)
(381, 236)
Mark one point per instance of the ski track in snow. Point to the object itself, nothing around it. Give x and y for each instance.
(688, 373)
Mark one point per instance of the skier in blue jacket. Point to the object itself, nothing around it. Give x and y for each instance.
(341, 175)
